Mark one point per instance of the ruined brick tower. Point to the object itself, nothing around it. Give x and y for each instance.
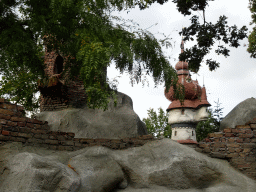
(59, 92)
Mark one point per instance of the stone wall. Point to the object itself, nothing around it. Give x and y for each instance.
(14, 127)
(237, 145)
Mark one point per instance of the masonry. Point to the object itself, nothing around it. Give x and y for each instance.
(14, 127)
(58, 91)
(236, 145)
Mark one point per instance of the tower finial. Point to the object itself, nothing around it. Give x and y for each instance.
(182, 45)
(182, 42)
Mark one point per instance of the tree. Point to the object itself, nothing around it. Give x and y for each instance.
(157, 123)
(212, 124)
(252, 37)
(217, 113)
(84, 31)
(205, 127)
(206, 35)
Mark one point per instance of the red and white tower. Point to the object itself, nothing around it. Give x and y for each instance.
(183, 118)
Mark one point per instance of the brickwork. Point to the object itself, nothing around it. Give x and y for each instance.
(14, 127)
(60, 92)
(237, 145)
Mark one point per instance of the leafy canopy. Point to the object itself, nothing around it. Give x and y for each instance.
(84, 30)
(79, 29)
(206, 34)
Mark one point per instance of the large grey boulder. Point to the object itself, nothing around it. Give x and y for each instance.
(241, 114)
(30, 172)
(98, 171)
(161, 165)
(115, 123)
(171, 166)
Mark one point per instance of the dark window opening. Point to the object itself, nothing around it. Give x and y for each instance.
(175, 133)
(58, 65)
(182, 111)
(192, 133)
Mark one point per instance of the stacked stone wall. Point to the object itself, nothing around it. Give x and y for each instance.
(14, 127)
(236, 145)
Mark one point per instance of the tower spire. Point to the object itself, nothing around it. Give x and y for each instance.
(182, 50)
(182, 45)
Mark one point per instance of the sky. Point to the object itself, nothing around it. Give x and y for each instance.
(231, 83)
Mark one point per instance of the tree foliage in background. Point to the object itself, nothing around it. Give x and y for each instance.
(204, 127)
(217, 113)
(157, 123)
(212, 124)
(252, 37)
(84, 30)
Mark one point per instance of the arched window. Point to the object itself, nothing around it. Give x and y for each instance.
(175, 133)
(58, 65)
(192, 133)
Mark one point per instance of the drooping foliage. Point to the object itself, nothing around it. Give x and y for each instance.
(79, 29)
(84, 31)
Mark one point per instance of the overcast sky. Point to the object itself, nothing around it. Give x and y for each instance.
(233, 82)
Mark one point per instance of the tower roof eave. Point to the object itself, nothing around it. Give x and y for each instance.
(192, 104)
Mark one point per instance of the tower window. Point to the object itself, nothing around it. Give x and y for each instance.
(192, 133)
(175, 133)
(182, 111)
(58, 65)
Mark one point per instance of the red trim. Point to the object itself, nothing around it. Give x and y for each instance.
(188, 141)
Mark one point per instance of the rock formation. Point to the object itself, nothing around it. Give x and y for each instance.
(160, 165)
(241, 114)
(115, 123)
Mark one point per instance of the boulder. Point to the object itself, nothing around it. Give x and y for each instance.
(31, 172)
(160, 165)
(172, 166)
(241, 114)
(98, 171)
(115, 123)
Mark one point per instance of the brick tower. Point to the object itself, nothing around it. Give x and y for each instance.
(59, 92)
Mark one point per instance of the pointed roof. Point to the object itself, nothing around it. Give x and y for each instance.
(195, 96)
